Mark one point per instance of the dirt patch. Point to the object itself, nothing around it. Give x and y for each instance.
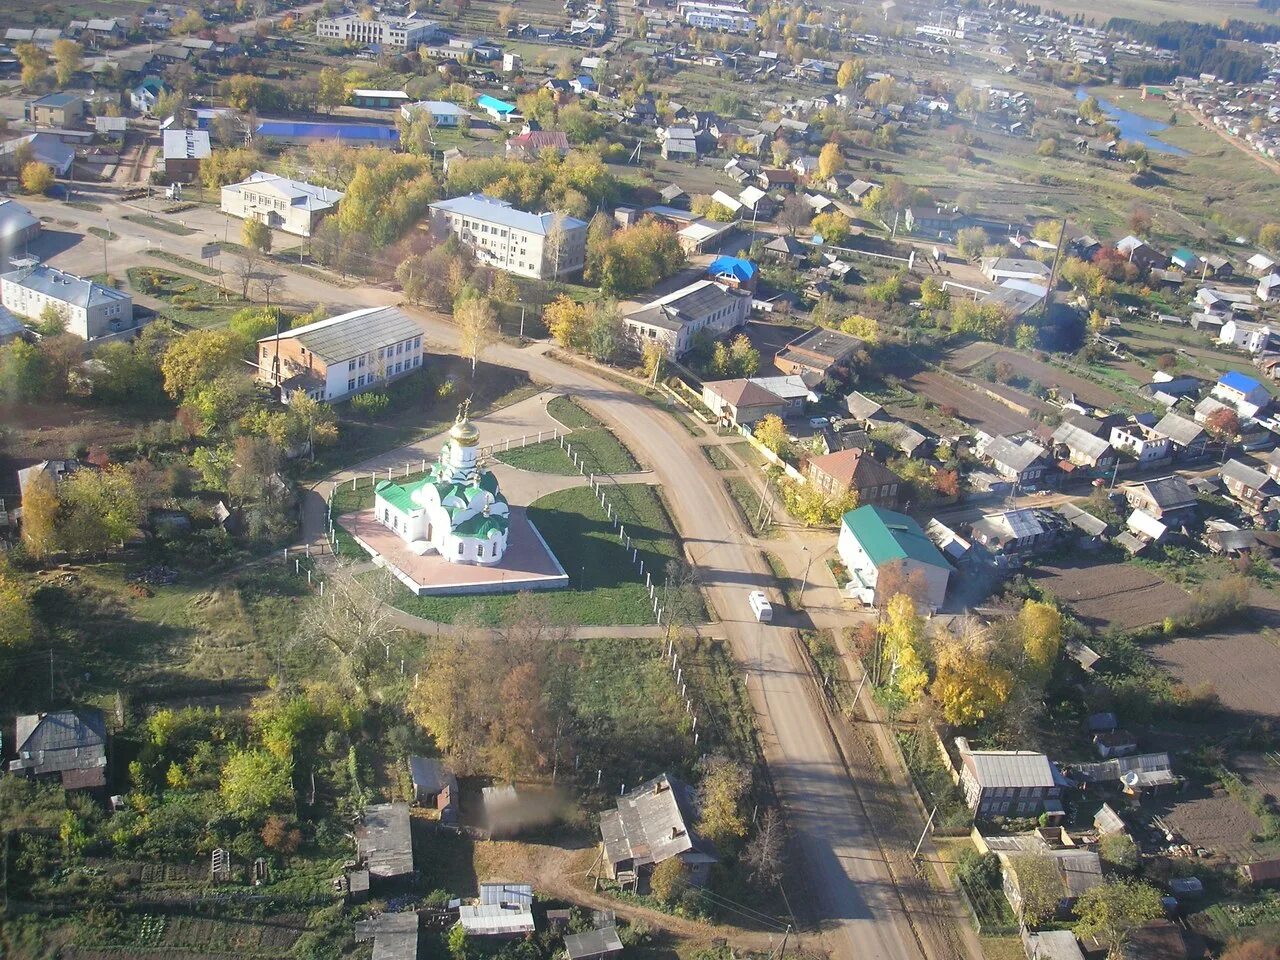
(1215, 820)
(974, 354)
(35, 432)
(1112, 595)
(1242, 667)
(973, 407)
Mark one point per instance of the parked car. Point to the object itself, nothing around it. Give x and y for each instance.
(760, 606)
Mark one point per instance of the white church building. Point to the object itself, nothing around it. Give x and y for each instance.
(455, 510)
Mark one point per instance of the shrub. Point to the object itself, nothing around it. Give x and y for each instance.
(370, 404)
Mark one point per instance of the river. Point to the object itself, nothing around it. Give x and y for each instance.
(1133, 127)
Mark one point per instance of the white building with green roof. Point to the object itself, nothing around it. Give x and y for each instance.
(456, 510)
(874, 542)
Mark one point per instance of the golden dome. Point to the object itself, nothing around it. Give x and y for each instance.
(464, 432)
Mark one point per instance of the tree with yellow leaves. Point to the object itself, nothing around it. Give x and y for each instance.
(1040, 626)
(968, 685)
(902, 647)
(567, 321)
(40, 507)
(830, 161)
(850, 73)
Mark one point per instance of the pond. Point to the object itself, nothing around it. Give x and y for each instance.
(1137, 129)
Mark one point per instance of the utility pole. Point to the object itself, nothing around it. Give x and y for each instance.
(51, 677)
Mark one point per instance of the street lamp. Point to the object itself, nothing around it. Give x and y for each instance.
(805, 581)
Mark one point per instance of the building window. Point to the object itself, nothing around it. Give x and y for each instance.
(351, 385)
(360, 381)
(351, 365)
(460, 548)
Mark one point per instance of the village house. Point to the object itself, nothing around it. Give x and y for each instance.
(1244, 394)
(1186, 437)
(1268, 288)
(1013, 532)
(741, 403)
(1078, 868)
(1250, 487)
(293, 206)
(1260, 265)
(876, 542)
(650, 825)
(334, 358)
(67, 747)
(1000, 269)
(1003, 783)
(825, 353)
(675, 319)
(1167, 499)
(61, 110)
(934, 221)
(533, 144)
(384, 846)
(89, 309)
(1248, 336)
(1082, 448)
(542, 246)
(1141, 441)
(786, 249)
(501, 910)
(442, 113)
(1018, 462)
(436, 786)
(181, 153)
(856, 471)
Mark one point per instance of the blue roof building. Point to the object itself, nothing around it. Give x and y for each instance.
(733, 270)
(498, 109)
(1235, 380)
(344, 132)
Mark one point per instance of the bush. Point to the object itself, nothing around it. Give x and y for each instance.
(370, 404)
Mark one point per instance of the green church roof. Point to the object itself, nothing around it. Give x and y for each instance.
(887, 536)
(481, 525)
(400, 495)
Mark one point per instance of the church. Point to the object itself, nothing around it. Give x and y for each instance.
(456, 510)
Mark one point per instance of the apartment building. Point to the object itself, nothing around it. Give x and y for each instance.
(538, 245)
(293, 206)
(89, 309)
(717, 16)
(335, 358)
(398, 32)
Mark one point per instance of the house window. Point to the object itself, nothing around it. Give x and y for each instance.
(360, 381)
(460, 548)
(417, 361)
(351, 385)
(351, 365)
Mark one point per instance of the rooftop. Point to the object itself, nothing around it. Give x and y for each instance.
(493, 210)
(854, 468)
(299, 193)
(65, 287)
(350, 334)
(592, 943)
(66, 740)
(887, 536)
(383, 840)
(742, 393)
(1235, 380)
(830, 345)
(300, 130)
(186, 145)
(653, 823)
(1009, 768)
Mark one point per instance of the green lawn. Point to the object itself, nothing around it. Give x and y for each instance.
(168, 226)
(186, 263)
(748, 503)
(596, 446)
(604, 586)
(719, 459)
(189, 301)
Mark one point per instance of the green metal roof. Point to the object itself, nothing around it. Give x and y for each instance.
(887, 536)
(400, 495)
(488, 482)
(481, 525)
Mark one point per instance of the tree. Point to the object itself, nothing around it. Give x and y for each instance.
(245, 269)
(228, 165)
(771, 432)
(850, 73)
(314, 420)
(255, 782)
(667, 881)
(1111, 910)
(884, 91)
(830, 161)
(832, 227)
(1040, 626)
(567, 321)
(34, 63)
(332, 89)
(902, 647)
(764, 856)
(970, 242)
(197, 358)
(1119, 850)
(724, 783)
(1223, 424)
(36, 177)
(933, 296)
(507, 16)
(1040, 887)
(278, 836)
(1140, 221)
(968, 685)
(17, 622)
(1269, 236)
(1048, 147)
(795, 213)
(477, 327)
(100, 509)
(40, 509)
(67, 58)
(605, 332)
(256, 235)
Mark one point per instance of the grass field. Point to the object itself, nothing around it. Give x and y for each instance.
(1155, 11)
(604, 586)
(718, 458)
(155, 223)
(749, 506)
(596, 446)
(185, 263)
(189, 301)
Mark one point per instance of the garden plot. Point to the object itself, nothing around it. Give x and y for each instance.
(1243, 668)
(1108, 596)
(974, 407)
(976, 354)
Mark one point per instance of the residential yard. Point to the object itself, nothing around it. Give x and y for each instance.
(973, 407)
(604, 586)
(598, 449)
(974, 356)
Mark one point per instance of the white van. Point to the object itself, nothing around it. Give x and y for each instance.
(760, 606)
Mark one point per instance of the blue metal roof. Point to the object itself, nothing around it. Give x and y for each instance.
(493, 103)
(327, 131)
(1235, 380)
(738, 268)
